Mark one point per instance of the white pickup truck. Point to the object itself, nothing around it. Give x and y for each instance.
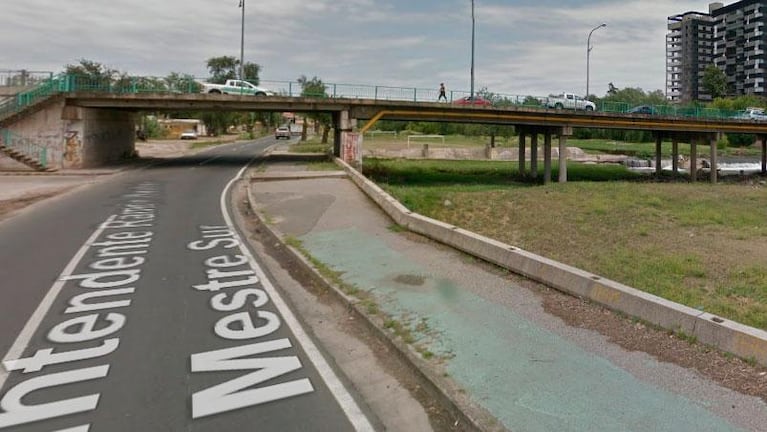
(235, 87)
(569, 101)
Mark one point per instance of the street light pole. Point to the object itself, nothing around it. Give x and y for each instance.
(242, 41)
(472, 49)
(588, 54)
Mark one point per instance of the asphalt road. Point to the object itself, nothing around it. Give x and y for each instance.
(133, 305)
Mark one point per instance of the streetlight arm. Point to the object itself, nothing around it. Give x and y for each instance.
(588, 53)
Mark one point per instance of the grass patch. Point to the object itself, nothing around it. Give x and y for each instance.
(312, 145)
(400, 328)
(322, 166)
(701, 245)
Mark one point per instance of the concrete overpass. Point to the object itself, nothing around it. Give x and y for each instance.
(92, 128)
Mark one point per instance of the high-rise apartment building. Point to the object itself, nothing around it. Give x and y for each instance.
(740, 43)
(731, 37)
(689, 50)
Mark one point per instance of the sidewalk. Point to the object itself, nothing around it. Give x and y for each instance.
(486, 332)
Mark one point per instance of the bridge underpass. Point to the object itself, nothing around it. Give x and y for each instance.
(104, 123)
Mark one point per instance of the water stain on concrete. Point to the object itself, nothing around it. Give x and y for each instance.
(408, 279)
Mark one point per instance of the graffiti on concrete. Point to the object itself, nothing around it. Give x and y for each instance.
(73, 148)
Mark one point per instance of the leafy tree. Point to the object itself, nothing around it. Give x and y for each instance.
(222, 69)
(316, 88)
(714, 81)
(91, 69)
(182, 83)
(227, 67)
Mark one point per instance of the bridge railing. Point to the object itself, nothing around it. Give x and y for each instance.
(22, 78)
(25, 146)
(185, 84)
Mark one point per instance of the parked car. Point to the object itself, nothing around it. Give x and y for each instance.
(189, 134)
(282, 132)
(642, 109)
(752, 114)
(476, 100)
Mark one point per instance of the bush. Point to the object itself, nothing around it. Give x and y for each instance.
(740, 140)
(723, 143)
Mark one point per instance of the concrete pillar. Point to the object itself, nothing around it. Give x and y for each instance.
(336, 134)
(547, 158)
(534, 155)
(713, 140)
(694, 159)
(343, 123)
(522, 146)
(562, 158)
(764, 153)
(658, 151)
(675, 156)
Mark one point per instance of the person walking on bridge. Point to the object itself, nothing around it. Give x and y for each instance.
(442, 94)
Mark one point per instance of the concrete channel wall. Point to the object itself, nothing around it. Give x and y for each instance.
(743, 341)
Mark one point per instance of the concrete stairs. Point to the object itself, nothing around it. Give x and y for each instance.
(25, 159)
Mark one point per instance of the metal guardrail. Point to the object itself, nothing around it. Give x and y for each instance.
(25, 146)
(187, 85)
(22, 78)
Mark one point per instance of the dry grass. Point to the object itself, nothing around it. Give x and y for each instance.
(701, 245)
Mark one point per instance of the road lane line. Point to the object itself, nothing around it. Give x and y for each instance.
(344, 399)
(34, 321)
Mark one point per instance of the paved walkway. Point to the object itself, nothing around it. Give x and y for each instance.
(528, 368)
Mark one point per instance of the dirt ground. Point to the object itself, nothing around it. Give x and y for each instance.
(731, 372)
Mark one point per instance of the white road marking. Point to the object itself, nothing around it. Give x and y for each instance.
(345, 400)
(33, 323)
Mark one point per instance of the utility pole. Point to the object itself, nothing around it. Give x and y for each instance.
(472, 49)
(588, 54)
(242, 41)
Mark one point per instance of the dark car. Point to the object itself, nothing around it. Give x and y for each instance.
(642, 109)
(476, 100)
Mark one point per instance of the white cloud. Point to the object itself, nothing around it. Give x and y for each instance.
(522, 47)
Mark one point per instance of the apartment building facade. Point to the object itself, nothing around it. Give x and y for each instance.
(731, 37)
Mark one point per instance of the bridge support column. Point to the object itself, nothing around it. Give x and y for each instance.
(694, 159)
(547, 157)
(522, 155)
(343, 123)
(658, 153)
(675, 156)
(534, 154)
(713, 139)
(563, 134)
(763, 139)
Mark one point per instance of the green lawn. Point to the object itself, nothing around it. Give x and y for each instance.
(701, 245)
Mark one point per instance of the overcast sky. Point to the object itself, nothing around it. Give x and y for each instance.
(523, 47)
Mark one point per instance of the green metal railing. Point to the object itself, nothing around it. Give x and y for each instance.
(187, 85)
(25, 146)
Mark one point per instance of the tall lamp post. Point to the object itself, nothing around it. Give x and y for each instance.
(242, 41)
(472, 50)
(588, 54)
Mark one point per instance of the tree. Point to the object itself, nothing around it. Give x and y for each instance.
(714, 81)
(227, 67)
(91, 69)
(316, 88)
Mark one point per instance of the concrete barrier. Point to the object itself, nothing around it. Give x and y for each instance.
(743, 341)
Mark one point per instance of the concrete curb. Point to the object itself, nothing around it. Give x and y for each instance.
(468, 416)
(743, 341)
(304, 175)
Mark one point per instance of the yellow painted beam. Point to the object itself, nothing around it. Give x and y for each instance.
(371, 122)
(579, 121)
